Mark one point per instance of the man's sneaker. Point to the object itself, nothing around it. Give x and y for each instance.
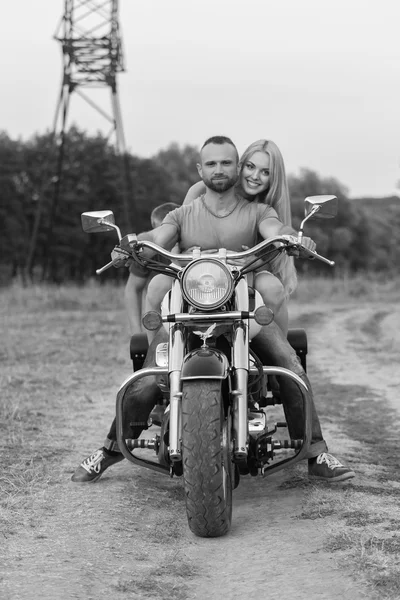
(326, 467)
(93, 467)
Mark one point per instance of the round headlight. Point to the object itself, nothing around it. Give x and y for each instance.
(207, 284)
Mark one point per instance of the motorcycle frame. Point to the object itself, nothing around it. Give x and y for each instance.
(239, 374)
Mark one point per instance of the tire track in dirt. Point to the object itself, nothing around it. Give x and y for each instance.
(359, 345)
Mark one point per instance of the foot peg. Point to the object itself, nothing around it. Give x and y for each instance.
(265, 446)
(152, 444)
(280, 444)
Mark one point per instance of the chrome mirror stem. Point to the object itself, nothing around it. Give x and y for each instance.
(117, 229)
(313, 211)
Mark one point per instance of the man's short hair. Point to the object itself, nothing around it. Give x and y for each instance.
(219, 140)
(160, 212)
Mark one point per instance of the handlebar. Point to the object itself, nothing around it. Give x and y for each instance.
(258, 251)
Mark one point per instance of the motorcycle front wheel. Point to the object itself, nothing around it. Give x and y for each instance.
(207, 458)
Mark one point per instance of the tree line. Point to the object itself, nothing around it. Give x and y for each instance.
(40, 228)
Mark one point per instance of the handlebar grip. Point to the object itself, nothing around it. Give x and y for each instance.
(331, 263)
(314, 254)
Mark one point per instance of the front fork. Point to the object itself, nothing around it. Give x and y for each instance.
(176, 355)
(240, 364)
(176, 348)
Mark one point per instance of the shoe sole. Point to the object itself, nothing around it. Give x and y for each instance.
(343, 477)
(87, 480)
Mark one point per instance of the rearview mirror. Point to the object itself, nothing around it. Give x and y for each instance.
(324, 207)
(321, 207)
(97, 220)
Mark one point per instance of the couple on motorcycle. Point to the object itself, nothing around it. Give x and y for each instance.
(221, 217)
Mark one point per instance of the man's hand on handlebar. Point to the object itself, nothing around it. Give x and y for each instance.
(120, 258)
(308, 243)
(240, 262)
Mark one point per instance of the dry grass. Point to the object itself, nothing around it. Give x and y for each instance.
(49, 333)
(42, 297)
(363, 531)
(348, 288)
(342, 287)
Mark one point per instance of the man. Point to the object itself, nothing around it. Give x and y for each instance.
(222, 219)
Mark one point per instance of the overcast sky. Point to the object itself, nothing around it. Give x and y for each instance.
(319, 77)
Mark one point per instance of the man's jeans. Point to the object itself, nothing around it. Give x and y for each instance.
(272, 348)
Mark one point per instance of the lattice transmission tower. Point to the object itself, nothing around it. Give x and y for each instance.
(92, 57)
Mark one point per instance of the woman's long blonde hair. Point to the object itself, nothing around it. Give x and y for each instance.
(277, 195)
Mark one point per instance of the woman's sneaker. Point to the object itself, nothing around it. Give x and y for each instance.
(326, 467)
(93, 467)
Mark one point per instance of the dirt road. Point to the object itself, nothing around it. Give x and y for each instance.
(127, 536)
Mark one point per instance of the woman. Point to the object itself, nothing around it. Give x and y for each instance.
(262, 178)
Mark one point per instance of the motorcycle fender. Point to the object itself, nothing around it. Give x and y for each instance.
(205, 363)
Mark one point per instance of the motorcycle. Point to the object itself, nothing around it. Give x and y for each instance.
(213, 421)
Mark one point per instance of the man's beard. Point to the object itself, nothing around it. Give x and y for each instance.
(220, 185)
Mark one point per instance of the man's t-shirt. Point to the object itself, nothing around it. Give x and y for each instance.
(197, 226)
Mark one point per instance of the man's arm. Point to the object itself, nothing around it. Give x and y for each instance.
(270, 227)
(146, 235)
(165, 235)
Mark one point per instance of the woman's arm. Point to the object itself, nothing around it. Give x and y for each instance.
(194, 192)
